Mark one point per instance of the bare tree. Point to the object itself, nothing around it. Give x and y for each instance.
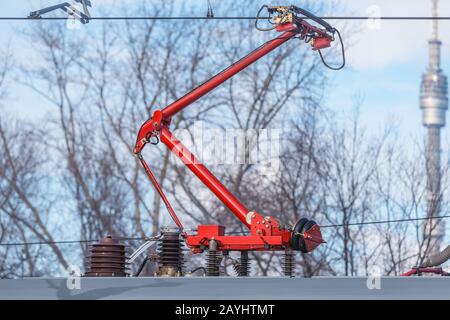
(351, 162)
(280, 84)
(25, 199)
(101, 104)
(330, 169)
(103, 93)
(402, 196)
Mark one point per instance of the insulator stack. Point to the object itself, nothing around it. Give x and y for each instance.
(289, 263)
(170, 253)
(213, 260)
(213, 268)
(107, 259)
(242, 268)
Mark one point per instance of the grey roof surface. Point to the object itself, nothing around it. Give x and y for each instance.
(230, 288)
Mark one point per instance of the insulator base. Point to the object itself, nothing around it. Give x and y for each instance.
(242, 268)
(170, 253)
(213, 263)
(289, 263)
(107, 259)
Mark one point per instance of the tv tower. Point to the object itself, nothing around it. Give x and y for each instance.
(434, 104)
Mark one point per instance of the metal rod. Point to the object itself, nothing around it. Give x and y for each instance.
(224, 195)
(226, 74)
(160, 191)
(213, 268)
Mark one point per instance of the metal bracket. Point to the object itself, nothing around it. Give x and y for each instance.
(82, 16)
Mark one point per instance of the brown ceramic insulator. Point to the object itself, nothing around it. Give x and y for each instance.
(107, 259)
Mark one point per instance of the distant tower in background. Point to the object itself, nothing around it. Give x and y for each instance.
(434, 104)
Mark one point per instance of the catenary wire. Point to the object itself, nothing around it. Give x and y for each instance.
(67, 241)
(230, 18)
(229, 233)
(369, 223)
(383, 222)
(399, 18)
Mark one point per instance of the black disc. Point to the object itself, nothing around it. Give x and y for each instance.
(308, 225)
(296, 239)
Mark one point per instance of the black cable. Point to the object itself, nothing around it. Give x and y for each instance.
(231, 233)
(45, 242)
(234, 18)
(382, 222)
(199, 268)
(141, 267)
(343, 55)
(66, 241)
(362, 223)
(257, 18)
(306, 36)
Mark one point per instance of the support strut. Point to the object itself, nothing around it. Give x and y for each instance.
(289, 263)
(244, 265)
(213, 267)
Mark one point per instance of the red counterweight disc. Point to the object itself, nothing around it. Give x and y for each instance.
(313, 238)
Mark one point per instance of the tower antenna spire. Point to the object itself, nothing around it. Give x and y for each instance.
(435, 14)
(434, 104)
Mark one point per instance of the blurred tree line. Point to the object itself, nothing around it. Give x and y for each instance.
(74, 176)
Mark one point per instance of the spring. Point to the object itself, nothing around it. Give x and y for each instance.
(213, 268)
(289, 263)
(242, 267)
(213, 260)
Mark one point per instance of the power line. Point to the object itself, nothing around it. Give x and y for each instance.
(230, 233)
(394, 18)
(382, 222)
(369, 223)
(65, 241)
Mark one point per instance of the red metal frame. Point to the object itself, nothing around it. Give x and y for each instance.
(420, 271)
(266, 233)
(228, 199)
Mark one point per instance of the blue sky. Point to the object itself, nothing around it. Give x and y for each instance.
(384, 67)
(384, 64)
